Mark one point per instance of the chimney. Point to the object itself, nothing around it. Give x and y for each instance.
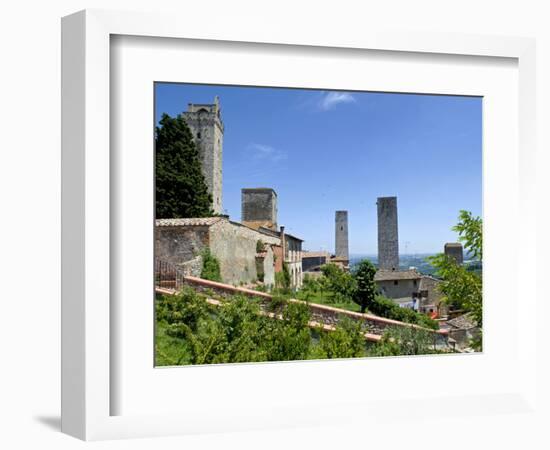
(283, 243)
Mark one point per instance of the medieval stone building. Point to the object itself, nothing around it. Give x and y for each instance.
(205, 123)
(402, 286)
(388, 243)
(245, 255)
(259, 208)
(341, 236)
(454, 251)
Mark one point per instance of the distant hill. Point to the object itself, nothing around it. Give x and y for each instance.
(419, 261)
(405, 262)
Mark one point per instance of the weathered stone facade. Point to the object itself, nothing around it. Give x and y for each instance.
(341, 235)
(181, 242)
(235, 246)
(388, 246)
(314, 260)
(293, 259)
(205, 123)
(259, 208)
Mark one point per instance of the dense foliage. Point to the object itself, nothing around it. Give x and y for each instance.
(181, 190)
(210, 266)
(387, 308)
(190, 331)
(282, 281)
(338, 282)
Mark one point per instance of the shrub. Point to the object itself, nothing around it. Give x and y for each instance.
(398, 341)
(384, 307)
(347, 341)
(210, 266)
(259, 246)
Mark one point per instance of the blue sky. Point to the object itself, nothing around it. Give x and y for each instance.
(324, 151)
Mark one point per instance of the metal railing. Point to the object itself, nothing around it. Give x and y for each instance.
(168, 275)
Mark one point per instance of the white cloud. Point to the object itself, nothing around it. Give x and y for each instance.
(266, 153)
(330, 99)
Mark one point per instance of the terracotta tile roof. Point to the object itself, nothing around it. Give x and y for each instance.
(188, 222)
(391, 275)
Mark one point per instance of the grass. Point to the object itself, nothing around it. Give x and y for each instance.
(325, 298)
(169, 351)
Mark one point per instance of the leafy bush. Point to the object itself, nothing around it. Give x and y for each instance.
(347, 341)
(210, 266)
(282, 280)
(184, 307)
(190, 331)
(384, 307)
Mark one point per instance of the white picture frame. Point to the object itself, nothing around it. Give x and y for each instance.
(87, 328)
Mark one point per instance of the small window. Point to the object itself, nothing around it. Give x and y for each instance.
(341, 228)
(199, 135)
(395, 283)
(414, 282)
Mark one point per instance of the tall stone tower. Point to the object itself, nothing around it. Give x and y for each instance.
(259, 208)
(388, 247)
(454, 251)
(206, 126)
(341, 235)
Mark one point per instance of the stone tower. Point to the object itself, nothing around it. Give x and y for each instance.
(259, 208)
(206, 126)
(454, 251)
(341, 235)
(388, 247)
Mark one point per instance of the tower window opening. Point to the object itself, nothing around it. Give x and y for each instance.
(199, 135)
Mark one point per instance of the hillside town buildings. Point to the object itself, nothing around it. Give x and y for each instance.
(257, 248)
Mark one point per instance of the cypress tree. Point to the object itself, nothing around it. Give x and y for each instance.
(181, 189)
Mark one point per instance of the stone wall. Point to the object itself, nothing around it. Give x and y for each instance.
(177, 245)
(321, 314)
(388, 247)
(234, 245)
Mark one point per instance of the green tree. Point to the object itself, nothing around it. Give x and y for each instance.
(365, 292)
(462, 288)
(181, 190)
(470, 233)
(338, 282)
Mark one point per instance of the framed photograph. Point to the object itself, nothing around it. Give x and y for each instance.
(253, 222)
